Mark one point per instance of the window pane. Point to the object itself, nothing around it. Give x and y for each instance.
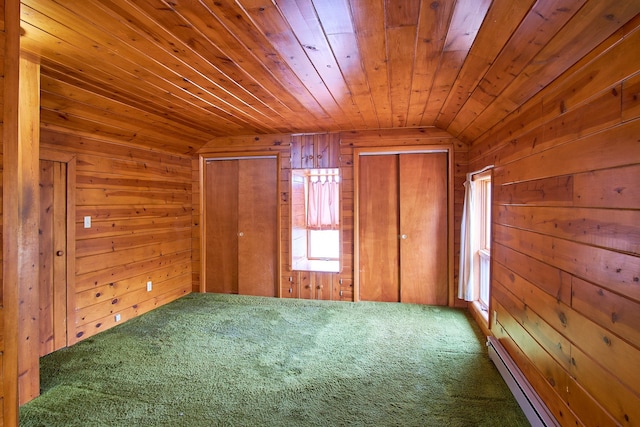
(324, 244)
(487, 214)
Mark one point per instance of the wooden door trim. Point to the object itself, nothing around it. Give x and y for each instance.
(238, 155)
(373, 150)
(70, 160)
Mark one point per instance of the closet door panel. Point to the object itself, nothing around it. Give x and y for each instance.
(378, 228)
(423, 228)
(257, 244)
(222, 226)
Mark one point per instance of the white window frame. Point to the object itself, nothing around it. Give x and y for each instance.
(482, 221)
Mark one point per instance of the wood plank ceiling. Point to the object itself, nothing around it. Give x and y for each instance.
(174, 74)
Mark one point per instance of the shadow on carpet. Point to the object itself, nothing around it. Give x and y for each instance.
(209, 360)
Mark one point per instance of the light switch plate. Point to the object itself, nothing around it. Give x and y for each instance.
(87, 222)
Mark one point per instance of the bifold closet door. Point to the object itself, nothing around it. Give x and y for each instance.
(241, 210)
(378, 225)
(423, 228)
(222, 226)
(257, 209)
(403, 249)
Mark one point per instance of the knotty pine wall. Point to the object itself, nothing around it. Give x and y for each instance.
(330, 150)
(566, 236)
(140, 207)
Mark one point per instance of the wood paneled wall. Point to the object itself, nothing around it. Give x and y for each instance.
(333, 150)
(140, 206)
(566, 236)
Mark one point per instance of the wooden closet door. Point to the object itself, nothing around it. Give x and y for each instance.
(53, 256)
(378, 228)
(257, 225)
(222, 226)
(423, 228)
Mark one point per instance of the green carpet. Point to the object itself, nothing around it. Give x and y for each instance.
(209, 360)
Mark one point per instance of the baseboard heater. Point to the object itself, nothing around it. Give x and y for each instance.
(533, 407)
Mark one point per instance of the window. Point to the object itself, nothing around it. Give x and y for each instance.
(315, 220)
(475, 242)
(482, 221)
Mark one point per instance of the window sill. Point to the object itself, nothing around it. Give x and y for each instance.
(319, 266)
(481, 316)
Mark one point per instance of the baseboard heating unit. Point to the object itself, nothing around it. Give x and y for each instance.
(532, 406)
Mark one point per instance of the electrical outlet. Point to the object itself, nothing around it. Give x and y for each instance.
(87, 222)
(117, 317)
(149, 286)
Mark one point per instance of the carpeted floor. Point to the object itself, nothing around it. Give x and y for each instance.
(214, 360)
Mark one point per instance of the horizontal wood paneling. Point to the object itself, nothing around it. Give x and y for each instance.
(566, 237)
(140, 204)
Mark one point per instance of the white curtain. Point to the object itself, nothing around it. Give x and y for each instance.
(467, 289)
(322, 204)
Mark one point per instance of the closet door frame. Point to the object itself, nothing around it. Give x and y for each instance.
(415, 149)
(204, 158)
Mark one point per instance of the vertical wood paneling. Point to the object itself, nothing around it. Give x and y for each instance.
(566, 250)
(196, 217)
(9, 48)
(25, 161)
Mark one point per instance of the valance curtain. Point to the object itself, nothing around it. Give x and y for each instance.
(322, 203)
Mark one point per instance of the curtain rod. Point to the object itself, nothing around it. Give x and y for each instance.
(484, 169)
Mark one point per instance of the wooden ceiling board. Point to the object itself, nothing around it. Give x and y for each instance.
(467, 18)
(261, 57)
(369, 23)
(199, 29)
(120, 63)
(176, 74)
(433, 24)
(283, 40)
(59, 96)
(188, 64)
(212, 91)
(502, 18)
(536, 29)
(308, 33)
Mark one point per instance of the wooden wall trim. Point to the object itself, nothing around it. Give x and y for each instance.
(70, 160)
(20, 223)
(10, 214)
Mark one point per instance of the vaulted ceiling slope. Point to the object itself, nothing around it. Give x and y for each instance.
(176, 73)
